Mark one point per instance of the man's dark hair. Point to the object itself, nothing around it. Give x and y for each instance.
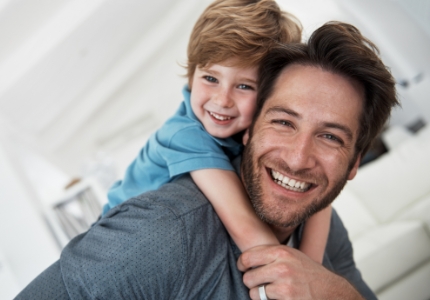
(341, 49)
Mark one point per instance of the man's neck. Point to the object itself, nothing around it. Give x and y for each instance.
(282, 233)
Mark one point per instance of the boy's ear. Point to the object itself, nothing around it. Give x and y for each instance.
(245, 137)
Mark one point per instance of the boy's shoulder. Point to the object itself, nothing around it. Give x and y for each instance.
(182, 123)
(183, 119)
(184, 115)
(181, 129)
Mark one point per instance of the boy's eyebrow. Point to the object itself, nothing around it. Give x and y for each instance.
(280, 109)
(253, 81)
(210, 71)
(216, 73)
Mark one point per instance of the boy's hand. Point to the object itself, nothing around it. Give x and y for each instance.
(289, 274)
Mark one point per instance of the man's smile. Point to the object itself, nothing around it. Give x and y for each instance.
(290, 184)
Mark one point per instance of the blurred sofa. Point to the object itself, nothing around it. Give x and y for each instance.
(386, 210)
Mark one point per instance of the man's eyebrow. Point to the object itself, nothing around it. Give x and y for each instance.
(280, 109)
(341, 127)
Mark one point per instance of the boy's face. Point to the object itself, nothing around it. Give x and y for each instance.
(224, 98)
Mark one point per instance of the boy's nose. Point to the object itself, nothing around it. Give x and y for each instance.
(223, 99)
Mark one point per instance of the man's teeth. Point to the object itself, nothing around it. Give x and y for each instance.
(219, 117)
(291, 184)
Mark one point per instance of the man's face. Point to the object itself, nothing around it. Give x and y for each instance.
(301, 152)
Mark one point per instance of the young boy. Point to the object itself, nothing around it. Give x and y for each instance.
(225, 48)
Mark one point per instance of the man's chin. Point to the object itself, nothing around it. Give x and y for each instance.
(284, 217)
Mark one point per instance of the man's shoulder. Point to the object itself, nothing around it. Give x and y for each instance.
(179, 197)
(176, 206)
(161, 243)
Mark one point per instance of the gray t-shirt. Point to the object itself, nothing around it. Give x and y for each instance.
(165, 244)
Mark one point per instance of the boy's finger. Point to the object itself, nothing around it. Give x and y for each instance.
(262, 255)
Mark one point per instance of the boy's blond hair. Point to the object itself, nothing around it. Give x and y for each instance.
(242, 29)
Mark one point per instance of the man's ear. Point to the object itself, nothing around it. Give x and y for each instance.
(354, 169)
(245, 137)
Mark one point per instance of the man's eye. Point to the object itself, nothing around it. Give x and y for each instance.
(245, 87)
(333, 138)
(210, 79)
(283, 123)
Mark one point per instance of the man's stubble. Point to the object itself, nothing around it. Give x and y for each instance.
(273, 215)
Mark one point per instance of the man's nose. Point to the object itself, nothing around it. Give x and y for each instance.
(300, 152)
(224, 98)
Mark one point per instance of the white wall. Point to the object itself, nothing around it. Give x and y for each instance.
(26, 243)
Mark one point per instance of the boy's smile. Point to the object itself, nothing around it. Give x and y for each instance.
(223, 98)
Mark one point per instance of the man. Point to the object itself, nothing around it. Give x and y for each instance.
(320, 106)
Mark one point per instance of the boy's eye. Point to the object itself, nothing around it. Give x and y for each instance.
(245, 87)
(210, 79)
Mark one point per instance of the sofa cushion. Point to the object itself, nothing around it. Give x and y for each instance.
(396, 180)
(413, 286)
(395, 136)
(388, 252)
(419, 211)
(354, 215)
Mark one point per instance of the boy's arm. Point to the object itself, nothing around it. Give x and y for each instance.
(230, 201)
(315, 234)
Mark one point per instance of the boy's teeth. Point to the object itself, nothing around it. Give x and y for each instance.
(218, 117)
(290, 184)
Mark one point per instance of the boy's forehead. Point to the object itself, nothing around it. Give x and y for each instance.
(235, 62)
(229, 70)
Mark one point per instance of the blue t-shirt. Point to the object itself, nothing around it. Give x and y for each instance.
(180, 146)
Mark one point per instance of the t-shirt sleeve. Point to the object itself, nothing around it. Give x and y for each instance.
(190, 149)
